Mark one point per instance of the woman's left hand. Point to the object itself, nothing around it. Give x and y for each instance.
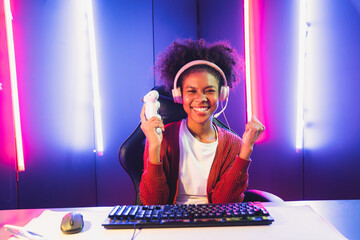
(253, 130)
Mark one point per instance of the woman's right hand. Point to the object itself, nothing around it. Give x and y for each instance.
(148, 126)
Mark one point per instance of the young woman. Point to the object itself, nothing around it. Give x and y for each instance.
(194, 161)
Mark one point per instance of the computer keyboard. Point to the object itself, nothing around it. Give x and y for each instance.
(198, 215)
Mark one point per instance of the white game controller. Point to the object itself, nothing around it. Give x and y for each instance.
(151, 106)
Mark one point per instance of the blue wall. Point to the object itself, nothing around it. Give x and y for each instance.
(56, 96)
(332, 135)
(276, 166)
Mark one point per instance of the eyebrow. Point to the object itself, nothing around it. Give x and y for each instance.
(211, 86)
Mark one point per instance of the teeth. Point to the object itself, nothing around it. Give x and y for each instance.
(200, 109)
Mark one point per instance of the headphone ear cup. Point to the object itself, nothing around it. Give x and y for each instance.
(176, 92)
(224, 93)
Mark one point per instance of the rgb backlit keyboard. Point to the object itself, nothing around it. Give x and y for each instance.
(194, 215)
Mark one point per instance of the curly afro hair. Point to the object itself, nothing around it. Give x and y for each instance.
(180, 52)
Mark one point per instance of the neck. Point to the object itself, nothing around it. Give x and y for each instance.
(204, 132)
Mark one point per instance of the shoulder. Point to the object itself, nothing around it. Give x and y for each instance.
(227, 136)
(174, 126)
(171, 133)
(170, 142)
(229, 144)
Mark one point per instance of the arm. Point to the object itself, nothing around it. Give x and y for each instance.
(234, 178)
(253, 130)
(153, 186)
(148, 126)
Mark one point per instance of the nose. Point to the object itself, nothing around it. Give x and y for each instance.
(200, 96)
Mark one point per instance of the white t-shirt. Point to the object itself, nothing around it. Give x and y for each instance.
(196, 159)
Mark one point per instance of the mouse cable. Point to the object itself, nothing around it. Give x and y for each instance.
(134, 235)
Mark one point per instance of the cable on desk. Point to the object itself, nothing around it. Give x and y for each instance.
(133, 236)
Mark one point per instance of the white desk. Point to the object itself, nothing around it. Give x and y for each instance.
(305, 223)
(342, 214)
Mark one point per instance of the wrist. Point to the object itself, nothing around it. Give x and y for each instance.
(245, 151)
(154, 147)
(154, 154)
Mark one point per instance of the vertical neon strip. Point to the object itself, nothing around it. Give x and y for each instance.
(301, 75)
(247, 58)
(95, 79)
(14, 87)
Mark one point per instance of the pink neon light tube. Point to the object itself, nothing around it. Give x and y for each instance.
(247, 59)
(14, 87)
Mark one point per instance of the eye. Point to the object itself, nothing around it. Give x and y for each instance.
(210, 91)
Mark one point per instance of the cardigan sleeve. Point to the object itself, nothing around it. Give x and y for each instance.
(159, 182)
(153, 185)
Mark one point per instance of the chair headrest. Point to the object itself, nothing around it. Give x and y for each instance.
(169, 110)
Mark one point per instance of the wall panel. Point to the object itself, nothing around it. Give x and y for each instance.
(131, 35)
(173, 20)
(125, 56)
(220, 21)
(331, 108)
(276, 167)
(55, 103)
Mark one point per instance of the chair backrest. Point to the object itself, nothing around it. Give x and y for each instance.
(132, 150)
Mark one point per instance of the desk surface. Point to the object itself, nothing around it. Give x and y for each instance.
(344, 215)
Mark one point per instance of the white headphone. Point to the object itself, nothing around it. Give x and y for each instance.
(176, 92)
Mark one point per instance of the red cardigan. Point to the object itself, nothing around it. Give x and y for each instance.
(228, 177)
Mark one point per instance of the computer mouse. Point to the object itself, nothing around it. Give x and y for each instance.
(72, 222)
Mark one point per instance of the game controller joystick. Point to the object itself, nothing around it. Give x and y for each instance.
(151, 106)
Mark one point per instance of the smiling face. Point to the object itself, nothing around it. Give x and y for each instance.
(200, 93)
